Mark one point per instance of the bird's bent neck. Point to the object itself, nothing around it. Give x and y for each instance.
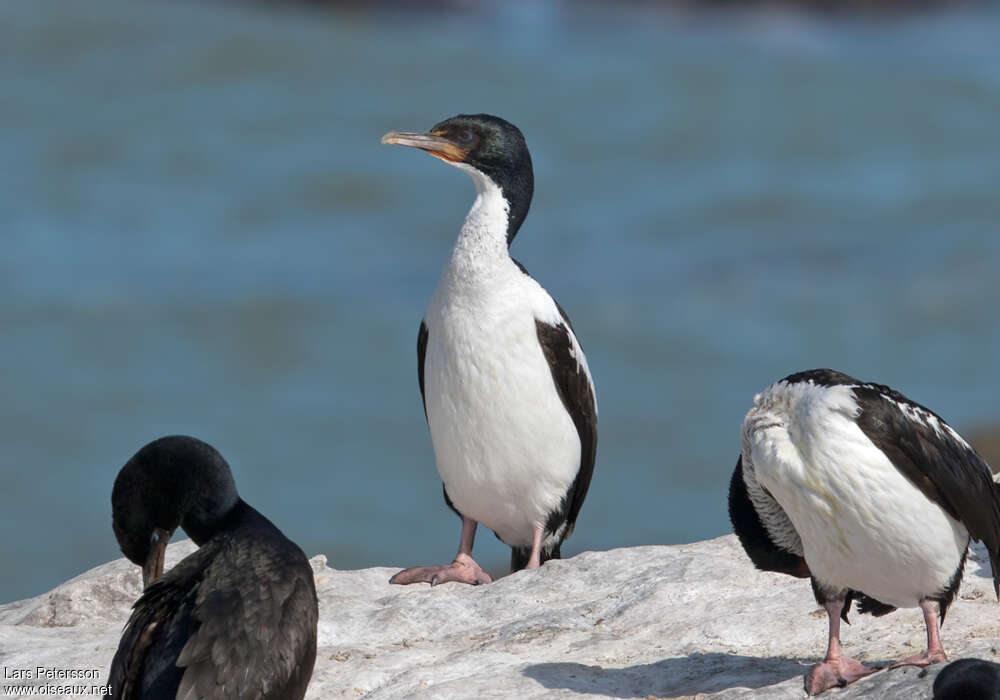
(242, 516)
(202, 527)
(481, 249)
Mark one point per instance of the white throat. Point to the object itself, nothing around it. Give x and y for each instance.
(482, 243)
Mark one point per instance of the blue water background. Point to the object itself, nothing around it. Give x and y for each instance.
(200, 233)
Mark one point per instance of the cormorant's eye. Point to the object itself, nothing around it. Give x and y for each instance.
(465, 136)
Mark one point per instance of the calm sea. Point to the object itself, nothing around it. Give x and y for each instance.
(200, 233)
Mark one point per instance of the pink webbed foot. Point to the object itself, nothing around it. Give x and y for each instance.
(925, 659)
(935, 652)
(463, 570)
(836, 674)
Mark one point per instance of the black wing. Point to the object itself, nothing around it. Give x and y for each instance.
(257, 633)
(576, 390)
(421, 355)
(936, 460)
(227, 622)
(156, 632)
(765, 554)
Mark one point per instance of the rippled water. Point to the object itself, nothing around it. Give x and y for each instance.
(200, 233)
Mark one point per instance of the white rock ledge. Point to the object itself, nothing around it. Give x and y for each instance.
(645, 622)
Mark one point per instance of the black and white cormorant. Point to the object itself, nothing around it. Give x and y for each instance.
(507, 393)
(871, 495)
(235, 619)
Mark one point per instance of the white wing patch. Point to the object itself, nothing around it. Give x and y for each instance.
(919, 415)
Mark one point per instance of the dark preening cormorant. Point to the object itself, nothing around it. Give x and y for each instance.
(507, 393)
(868, 493)
(235, 619)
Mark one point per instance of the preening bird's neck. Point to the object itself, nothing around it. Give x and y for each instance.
(202, 527)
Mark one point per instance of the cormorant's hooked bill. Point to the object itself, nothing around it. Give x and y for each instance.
(437, 145)
(464, 138)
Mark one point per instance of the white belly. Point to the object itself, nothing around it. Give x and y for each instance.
(505, 446)
(863, 525)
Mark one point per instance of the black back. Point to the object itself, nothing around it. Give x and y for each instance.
(245, 601)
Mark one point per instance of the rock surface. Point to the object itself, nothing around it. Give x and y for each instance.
(646, 622)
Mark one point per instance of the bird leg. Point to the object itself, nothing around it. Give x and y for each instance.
(463, 570)
(535, 560)
(836, 670)
(935, 652)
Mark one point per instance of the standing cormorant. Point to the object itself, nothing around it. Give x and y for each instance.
(507, 393)
(235, 619)
(868, 493)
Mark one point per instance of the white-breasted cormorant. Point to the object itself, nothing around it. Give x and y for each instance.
(507, 392)
(871, 495)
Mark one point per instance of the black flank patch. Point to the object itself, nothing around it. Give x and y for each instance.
(422, 335)
(945, 470)
(577, 396)
(763, 552)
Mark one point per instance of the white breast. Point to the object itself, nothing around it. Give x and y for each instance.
(863, 525)
(506, 448)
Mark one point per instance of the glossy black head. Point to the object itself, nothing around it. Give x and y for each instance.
(491, 145)
(174, 481)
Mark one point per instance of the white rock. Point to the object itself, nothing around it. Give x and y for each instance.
(662, 622)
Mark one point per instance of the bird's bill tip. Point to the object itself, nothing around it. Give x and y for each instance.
(152, 568)
(438, 146)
